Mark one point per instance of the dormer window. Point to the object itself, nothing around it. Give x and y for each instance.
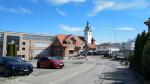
(64, 42)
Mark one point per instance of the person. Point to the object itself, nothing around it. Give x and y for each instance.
(86, 56)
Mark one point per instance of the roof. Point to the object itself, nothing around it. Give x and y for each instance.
(87, 28)
(79, 41)
(91, 46)
(62, 38)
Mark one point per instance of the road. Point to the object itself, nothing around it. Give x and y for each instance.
(94, 71)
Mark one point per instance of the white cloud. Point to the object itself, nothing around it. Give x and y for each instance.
(101, 5)
(126, 28)
(19, 10)
(59, 2)
(61, 12)
(67, 28)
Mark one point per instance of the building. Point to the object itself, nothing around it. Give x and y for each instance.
(90, 46)
(67, 45)
(108, 48)
(35, 45)
(127, 47)
(28, 45)
(70, 45)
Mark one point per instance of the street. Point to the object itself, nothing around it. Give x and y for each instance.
(78, 71)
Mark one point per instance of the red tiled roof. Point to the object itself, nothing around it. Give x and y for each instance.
(79, 40)
(91, 46)
(61, 38)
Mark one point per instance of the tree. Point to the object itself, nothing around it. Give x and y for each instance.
(146, 60)
(14, 50)
(136, 51)
(9, 50)
(142, 42)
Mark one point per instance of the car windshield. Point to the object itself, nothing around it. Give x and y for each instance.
(14, 60)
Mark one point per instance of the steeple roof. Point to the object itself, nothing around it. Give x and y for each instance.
(87, 28)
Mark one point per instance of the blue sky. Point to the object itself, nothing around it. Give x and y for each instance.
(52, 17)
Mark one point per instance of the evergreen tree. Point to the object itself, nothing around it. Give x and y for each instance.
(136, 52)
(142, 42)
(14, 50)
(146, 60)
(9, 50)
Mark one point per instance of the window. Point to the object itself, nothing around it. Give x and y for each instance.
(64, 42)
(71, 52)
(23, 43)
(23, 56)
(104, 47)
(69, 42)
(23, 48)
(41, 44)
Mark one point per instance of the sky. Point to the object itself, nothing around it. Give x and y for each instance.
(109, 19)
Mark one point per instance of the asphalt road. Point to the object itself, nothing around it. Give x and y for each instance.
(94, 71)
(104, 72)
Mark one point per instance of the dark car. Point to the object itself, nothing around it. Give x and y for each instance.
(11, 66)
(50, 62)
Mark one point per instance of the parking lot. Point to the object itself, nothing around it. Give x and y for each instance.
(69, 63)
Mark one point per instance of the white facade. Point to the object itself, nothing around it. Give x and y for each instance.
(127, 46)
(88, 34)
(107, 48)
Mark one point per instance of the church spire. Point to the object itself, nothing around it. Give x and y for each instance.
(87, 23)
(87, 28)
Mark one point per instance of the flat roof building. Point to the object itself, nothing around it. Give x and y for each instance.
(28, 45)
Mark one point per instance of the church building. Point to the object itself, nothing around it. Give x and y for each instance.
(70, 45)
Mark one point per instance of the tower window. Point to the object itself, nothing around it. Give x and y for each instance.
(23, 43)
(23, 48)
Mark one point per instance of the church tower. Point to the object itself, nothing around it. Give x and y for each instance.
(88, 34)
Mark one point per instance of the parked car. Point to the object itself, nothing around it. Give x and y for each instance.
(50, 62)
(10, 66)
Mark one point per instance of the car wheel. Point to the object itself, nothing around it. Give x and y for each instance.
(7, 72)
(50, 66)
(38, 65)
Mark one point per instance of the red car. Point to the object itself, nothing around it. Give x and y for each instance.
(50, 62)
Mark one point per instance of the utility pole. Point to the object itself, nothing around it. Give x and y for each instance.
(115, 43)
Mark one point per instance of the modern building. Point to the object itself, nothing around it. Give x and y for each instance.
(28, 45)
(127, 47)
(108, 48)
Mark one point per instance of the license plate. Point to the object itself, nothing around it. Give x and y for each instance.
(26, 70)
